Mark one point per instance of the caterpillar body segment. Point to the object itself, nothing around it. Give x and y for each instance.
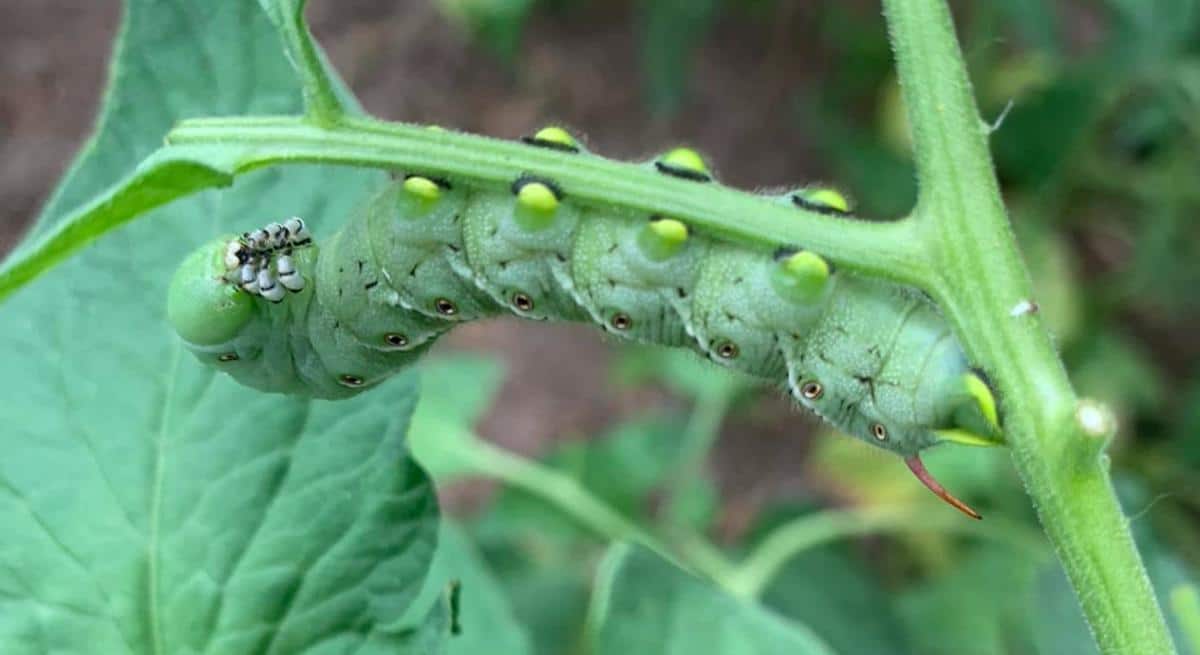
(423, 254)
(630, 294)
(524, 265)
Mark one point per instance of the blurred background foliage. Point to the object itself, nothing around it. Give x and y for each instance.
(1097, 143)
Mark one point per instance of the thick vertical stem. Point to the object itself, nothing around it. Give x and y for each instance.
(1057, 443)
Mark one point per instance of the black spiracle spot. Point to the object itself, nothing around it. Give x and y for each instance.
(352, 381)
(445, 307)
(812, 390)
(522, 302)
(727, 350)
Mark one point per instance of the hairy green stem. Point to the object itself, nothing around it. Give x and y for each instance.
(790, 539)
(564, 492)
(703, 428)
(1057, 443)
(205, 153)
(321, 103)
(881, 249)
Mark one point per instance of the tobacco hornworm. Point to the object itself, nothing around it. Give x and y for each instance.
(280, 314)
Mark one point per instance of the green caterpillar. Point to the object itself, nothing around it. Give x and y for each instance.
(280, 314)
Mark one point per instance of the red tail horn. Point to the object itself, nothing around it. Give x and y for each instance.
(918, 469)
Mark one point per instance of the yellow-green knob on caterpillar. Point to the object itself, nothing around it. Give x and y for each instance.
(822, 200)
(800, 277)
(420, 193)
(685, 163)
(662, 238)
(537, 202)
(555, 138)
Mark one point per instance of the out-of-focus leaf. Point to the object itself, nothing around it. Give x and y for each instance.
(695, 504)
(671, 30)
(546, 584)
(1034, 20)
(1052, 266)
(1043, 128)
(1186, 441)
(979, 606)
(840, 601)
(621, 469)
(483, 620)
(455, 392)
(683, 372)
(1113, 369)
(876, 170)
(462, 386)
(1185, 605)
(643, 604)
(1148, 32)
(497, 24)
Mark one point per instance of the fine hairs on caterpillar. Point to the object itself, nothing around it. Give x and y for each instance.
(281, 313)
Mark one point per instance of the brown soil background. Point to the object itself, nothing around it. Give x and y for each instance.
(407, 62)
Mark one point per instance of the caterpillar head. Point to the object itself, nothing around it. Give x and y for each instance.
(946, 402)
(245, 305)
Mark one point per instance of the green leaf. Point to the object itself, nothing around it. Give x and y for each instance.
(1148, 33)
(497, 24)
(979, 606)
(1044, 128)
(1185, 607)
(149, 504)
(548, 590)
(136, 181)
(154, 184)
(671, 32)
(621, 468)
(461, 387)
(231, 48)
(1114, 369)
(643, 604)
(455, 392)
(1035, 21)
(837, 598)
(682, 371)
(484, 622)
